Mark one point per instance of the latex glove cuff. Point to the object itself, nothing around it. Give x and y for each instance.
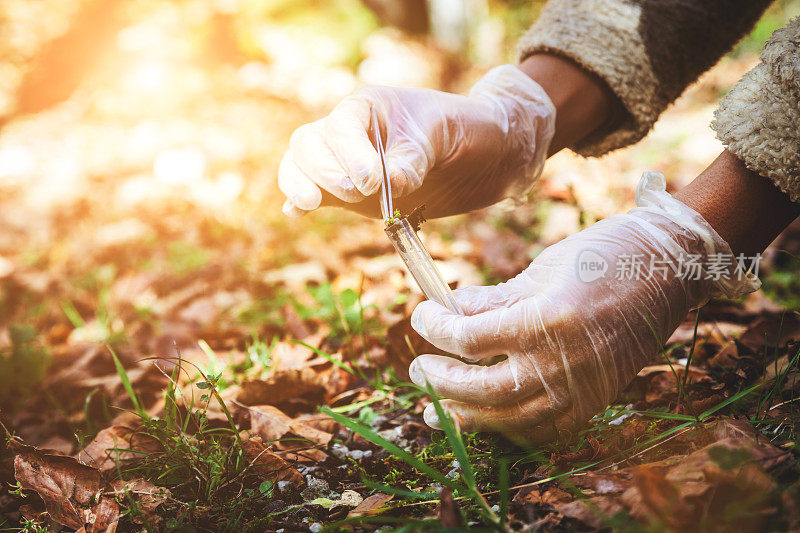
(526, 114)
(729, 279)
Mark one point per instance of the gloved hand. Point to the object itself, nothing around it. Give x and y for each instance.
(575, 335)
(453, 153)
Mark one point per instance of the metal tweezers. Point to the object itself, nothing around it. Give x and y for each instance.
(387, 209)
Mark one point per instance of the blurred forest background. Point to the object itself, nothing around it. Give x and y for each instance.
(139, 146)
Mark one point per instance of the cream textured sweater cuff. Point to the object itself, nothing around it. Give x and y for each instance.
(759, 120)
(603, 37)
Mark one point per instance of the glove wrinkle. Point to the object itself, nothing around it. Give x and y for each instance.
(452, 152)
(573, 343)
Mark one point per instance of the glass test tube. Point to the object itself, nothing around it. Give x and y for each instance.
(420, 264)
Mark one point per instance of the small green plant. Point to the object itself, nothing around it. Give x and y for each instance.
(342, 311)
(31, 526)
(185, 257)
(203, 465)
(463, 486)
(781, 283)
(227, 372)
(394, 218)
(265, 310)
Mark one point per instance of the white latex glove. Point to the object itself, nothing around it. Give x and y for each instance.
(574, 342)
(452, 152)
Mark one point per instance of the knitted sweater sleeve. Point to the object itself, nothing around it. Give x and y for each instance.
(759, 120)
(647, 51)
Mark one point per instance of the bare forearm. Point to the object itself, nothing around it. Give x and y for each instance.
(583, 102)
(747, 210)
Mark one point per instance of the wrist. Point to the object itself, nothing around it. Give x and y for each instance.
(747, 210)
(682, 233)
(583, 101)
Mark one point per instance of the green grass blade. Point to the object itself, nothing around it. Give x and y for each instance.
(734, 398)
(409, 494)
(661, 414)
(170, 403)
(357, 405)
(502, 485)
(73, 315)
(455, 440)
(372, 436)
(327, 356)
(460, 451)
(126, 383)
(690, 357)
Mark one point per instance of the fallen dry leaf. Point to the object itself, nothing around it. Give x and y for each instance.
(72, 492)
(147, 496)
(270, 423)
(371, 505)
(727, 357)
(551, 496)
(449, 515)
(592, 516)
(678, 369)
(320, 422)
(716, 330)
(280, 387)
(404, 344)
(771, 331)
(109, 447)
(661, 498)
(318, 382)
(680, 493)
(267, 465)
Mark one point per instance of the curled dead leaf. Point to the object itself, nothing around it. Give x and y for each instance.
(270, 423)
(371, 505)
(73, 493)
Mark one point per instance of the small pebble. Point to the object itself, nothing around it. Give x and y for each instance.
(456, 464)
(312, 481)
(340, 450)
(495, 508)
(356, 454)
(316, 527)
(283, 485)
